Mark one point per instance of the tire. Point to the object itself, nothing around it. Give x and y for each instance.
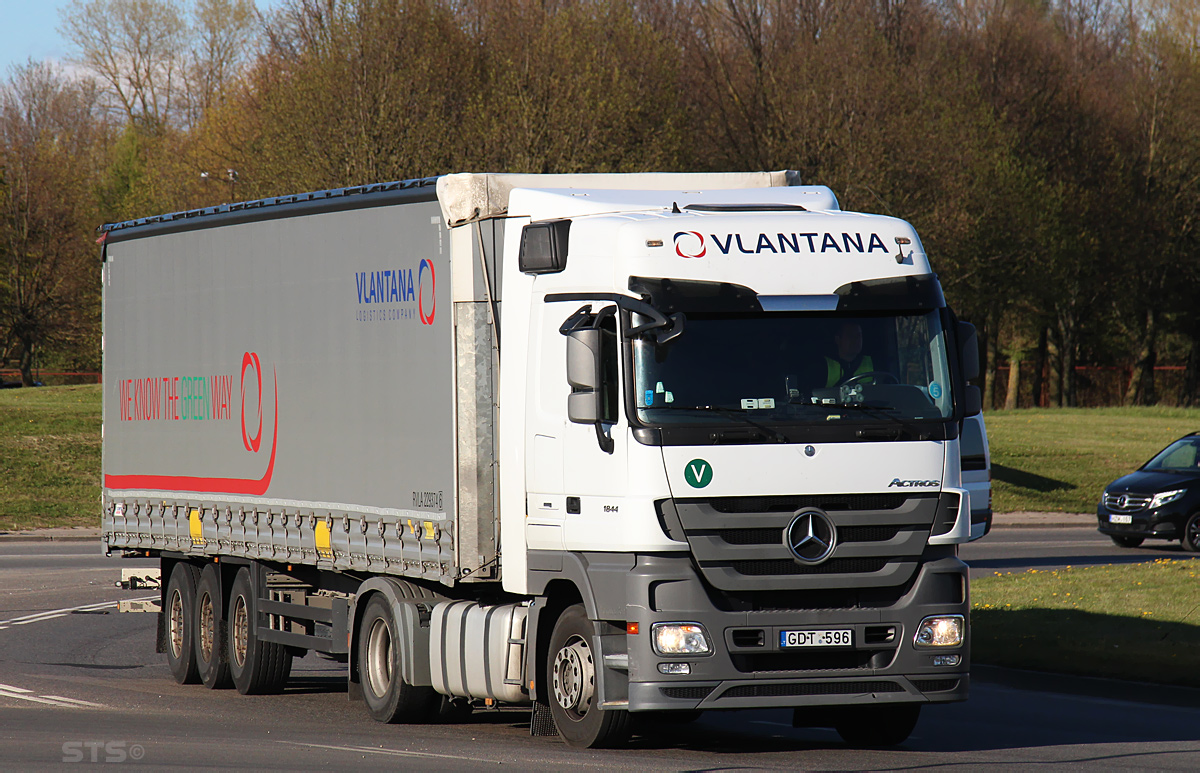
(388, 697)
(1127, 542)
(571, 679)
(179, 619)
(256, 667)
(877, 726)
(210, 631)
(1191, 534)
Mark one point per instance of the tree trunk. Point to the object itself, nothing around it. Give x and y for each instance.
(1040, 367)
(1056, 372)
(991, 369)
(1141, 389)
(26, 363)
(1014, 379)
(1191, 373)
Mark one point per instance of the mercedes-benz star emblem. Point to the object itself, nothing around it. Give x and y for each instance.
(810, 536)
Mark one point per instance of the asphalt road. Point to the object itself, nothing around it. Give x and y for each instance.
(1015, 550)
(81, 683)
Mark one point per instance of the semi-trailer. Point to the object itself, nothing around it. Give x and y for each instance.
(606, 444)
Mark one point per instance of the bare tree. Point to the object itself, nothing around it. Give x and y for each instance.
(48, 292)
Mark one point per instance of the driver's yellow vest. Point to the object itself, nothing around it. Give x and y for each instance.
(835, 374)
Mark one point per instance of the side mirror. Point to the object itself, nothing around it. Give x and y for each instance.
(583, 359)
(968, 350)
(973, 401)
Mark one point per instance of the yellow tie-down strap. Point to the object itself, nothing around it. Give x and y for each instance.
(197, 527)
(324, 541)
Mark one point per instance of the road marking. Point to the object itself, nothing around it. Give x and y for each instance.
(76, 701)
(389, 752)
(50, 614)
(7, 691)
(10, 688)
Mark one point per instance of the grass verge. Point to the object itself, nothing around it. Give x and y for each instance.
(1060, 459)
(50, 457)
(1136, 621)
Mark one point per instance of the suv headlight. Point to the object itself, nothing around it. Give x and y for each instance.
(1166, 497)
(940, 631)
(679, 639)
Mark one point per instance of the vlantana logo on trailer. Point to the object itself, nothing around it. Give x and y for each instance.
(394, 294)
(693, 244)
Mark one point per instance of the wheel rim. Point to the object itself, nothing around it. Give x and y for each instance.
(1192, 533)
(205, 631)
(241, 631)
(176, 624)
(574, 676)
(379, 658)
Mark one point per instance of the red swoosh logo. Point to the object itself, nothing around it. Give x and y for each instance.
(204, 485)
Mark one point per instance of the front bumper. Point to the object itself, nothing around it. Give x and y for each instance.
(1162, 523)
(748, 668)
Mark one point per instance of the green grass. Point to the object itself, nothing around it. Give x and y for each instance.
(1140, 621)
(50, 457)
(1060, 459)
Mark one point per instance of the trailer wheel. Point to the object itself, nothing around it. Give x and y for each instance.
(257, 667)
(876, 726)
(571, 675)
(210, 631)
(388, 697)
(180, 619)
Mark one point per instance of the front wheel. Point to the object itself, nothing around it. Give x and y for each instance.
(1127, 542)
(1191, 534)
(571, 676)
(257, 667)
(877, 726)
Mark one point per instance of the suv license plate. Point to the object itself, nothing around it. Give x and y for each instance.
(1120, 519)
(829, 638)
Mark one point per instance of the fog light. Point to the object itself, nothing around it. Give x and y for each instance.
(947, 660)
(680, 639)
(940, 631)
(674, 668)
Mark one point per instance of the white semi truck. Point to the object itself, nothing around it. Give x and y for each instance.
(610, 445)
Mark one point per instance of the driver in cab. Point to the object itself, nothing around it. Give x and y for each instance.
(848, 360)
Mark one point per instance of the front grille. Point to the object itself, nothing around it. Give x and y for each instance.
(935, 685)
(775, 536)
(738, 542)
(1126, 503)
(809, 688)
(687, 693)
(789, 566)
(827, 502)
(841, 660)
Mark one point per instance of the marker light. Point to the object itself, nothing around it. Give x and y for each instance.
(940, 631)
(947, 660)
(674, 668)
(679, 639)
(1166, 497)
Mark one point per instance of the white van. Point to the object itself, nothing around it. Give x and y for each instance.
(977, 473)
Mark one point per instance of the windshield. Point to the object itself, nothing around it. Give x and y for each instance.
(1180, 455)
(795, 367)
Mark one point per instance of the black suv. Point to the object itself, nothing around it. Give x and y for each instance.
(1161, 500)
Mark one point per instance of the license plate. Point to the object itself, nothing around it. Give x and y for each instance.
(830, 638)
(1120, 519)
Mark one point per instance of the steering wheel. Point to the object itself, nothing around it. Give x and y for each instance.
(881, 375)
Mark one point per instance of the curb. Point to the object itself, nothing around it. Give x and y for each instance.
(51, 535)
(1089, 686)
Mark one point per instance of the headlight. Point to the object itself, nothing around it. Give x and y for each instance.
(940, 631)
(679, 639)
(1166, 497)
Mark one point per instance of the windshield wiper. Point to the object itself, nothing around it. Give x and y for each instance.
(738, 414)
(878, 412)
